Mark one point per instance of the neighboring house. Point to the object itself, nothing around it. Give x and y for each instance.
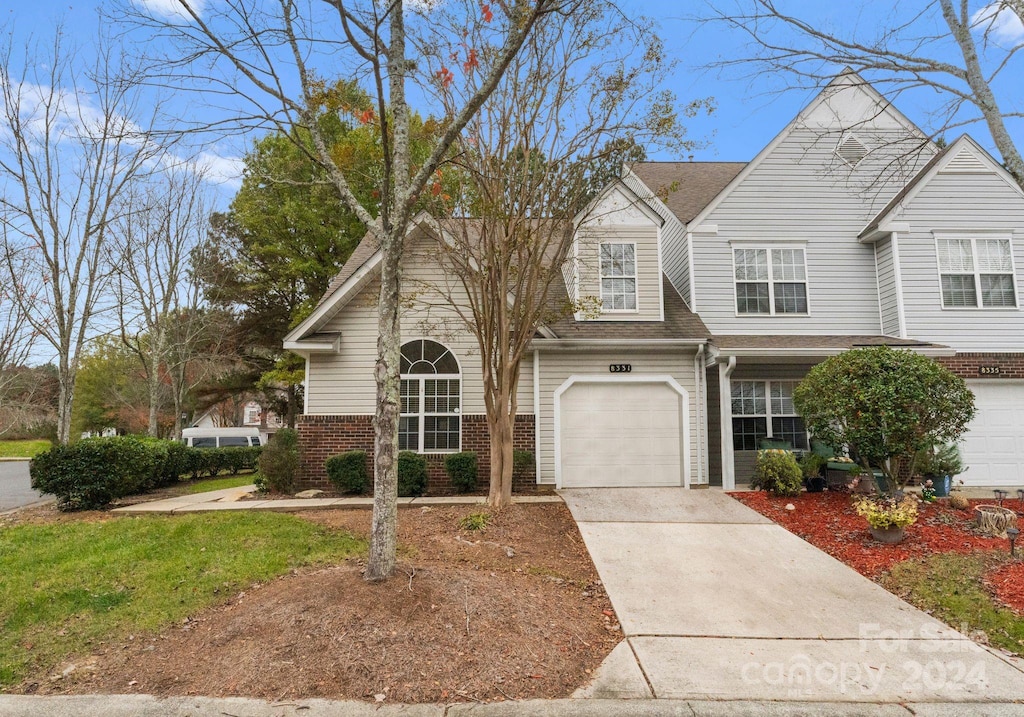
(721, 285)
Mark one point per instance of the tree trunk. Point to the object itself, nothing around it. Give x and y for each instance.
(383, 539)
(154, 402)
(65, 401)
(501, 430)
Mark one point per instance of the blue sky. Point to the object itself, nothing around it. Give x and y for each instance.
(751, 110)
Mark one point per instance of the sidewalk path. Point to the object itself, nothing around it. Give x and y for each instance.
(718, 602)
(231, 499)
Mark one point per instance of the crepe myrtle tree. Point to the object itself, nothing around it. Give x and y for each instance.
(885, 406)
(278, 60)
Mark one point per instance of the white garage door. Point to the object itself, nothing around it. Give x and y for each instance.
(993, 448)
(621, 434)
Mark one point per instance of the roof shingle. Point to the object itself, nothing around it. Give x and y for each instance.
(687, 187)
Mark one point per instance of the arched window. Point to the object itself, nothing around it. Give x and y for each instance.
(431, 398)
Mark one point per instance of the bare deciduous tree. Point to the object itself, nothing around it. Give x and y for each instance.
(71, 141)
(579, 99)
(966, 56)
(152, 247)
(279, 58)
(15, 348)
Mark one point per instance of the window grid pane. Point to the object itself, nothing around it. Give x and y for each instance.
(441, 433)
(747, 433)
(955, 255)
(752, 299)
(788, 265)
(410, 396)
(790, 429)
(618, 277)
(997, 290)
(751, 264)
(748, 398)
(782, 398)
(994, 256)
(958, 290)
(409, 433)
(790, 298)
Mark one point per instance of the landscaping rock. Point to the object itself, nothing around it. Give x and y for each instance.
(309, 494)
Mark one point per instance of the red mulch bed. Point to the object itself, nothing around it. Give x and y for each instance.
(828, 521)
(1007, 583)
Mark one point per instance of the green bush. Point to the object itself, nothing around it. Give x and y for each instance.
(241, 458)
(91, 473)
(347, 472)
(412, 473)
(777, 472)
(812, 465)
(522, 464)
(279, 461)
(462, 470)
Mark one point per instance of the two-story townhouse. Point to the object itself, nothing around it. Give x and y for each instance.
(720, 284)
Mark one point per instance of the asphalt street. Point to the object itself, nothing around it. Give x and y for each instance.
(15, 490)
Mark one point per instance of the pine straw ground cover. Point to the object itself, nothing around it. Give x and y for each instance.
(943, 566)
(514, 611)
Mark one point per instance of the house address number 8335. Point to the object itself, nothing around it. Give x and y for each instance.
(620, 367)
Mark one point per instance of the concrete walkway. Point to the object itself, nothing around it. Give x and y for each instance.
(232, 499)
(719, 603)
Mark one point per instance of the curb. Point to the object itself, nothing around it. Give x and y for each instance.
(151, 706)
(14, 460)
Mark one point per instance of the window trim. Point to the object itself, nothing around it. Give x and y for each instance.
(735, 246)
(422, 414)
(768, 415)
(636, 280)
(973, 237)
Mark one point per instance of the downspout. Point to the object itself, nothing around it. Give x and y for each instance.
(699, 386)
(725, 396)
(536, 413)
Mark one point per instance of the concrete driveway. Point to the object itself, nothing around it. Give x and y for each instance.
(15, 488)
(718, 602)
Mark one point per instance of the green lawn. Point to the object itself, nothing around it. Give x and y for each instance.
(949, 587)
(205, 486)
(67, 586)
(22, 449)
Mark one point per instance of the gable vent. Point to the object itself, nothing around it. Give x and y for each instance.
(965, 162)
(851, 150)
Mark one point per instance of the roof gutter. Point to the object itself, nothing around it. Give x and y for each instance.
(614, 343)
(931, 351)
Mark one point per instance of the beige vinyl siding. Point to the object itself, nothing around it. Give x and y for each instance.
(343, 383)
(557, 366)
(648, 273)
(675, 253)
(888, 294)
(800, 194)
(960, 204)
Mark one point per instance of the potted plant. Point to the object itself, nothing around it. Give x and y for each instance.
(812, 465)
(939, 464)
(888, 516)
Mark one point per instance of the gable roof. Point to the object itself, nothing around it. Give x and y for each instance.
(846, 79)
(686, 187)
(366, 248)
(941, 160)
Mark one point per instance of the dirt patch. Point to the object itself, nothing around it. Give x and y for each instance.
(829, 522)
(1007, 584)
(512, 612)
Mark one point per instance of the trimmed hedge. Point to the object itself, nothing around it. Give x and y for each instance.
(412, 473)
(347, 472)
(93, 472)
(462, 470)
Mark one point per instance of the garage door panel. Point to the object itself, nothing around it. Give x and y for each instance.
(620, 434)
(993, 448)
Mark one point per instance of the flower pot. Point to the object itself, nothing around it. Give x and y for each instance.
(890, 536)
(815, 484)
(942, 486)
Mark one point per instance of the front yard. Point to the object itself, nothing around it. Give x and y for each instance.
(272, 605)
(22, 449)
(943, 566)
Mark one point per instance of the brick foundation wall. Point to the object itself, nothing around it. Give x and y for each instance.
(986, 365)
(321, 437)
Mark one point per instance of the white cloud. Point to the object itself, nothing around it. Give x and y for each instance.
(216, 169)
(1000, 21)
(171, 9)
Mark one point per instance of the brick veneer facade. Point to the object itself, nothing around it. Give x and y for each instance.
(986, 365)
(321, 437)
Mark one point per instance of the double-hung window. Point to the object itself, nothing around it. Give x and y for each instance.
(770, 281)
(618, 277)
(976, 272)
(431, 397)
(764, 409)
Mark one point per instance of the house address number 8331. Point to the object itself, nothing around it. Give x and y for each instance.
(620, 367)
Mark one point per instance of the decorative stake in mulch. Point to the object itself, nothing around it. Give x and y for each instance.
(1000, 496)
(1020, 495)
(1012, 534)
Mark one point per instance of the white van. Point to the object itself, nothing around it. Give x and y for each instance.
(220, 437)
